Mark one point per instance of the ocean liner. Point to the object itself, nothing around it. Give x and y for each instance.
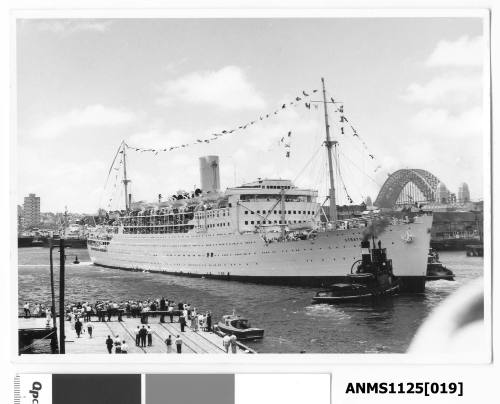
(266, 231)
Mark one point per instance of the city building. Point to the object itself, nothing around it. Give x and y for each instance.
(442, 194)
(31, 211)
(19, 216)
(463, 193)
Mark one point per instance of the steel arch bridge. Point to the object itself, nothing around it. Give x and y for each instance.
(426, 182)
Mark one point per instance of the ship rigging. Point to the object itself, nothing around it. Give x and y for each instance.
(329, 144)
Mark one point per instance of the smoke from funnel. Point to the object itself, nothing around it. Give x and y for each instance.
(375, 228)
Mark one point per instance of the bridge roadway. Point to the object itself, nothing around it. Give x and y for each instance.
(192, 342)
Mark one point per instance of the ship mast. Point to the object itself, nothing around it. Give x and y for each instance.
(125, 179)
(329, 143)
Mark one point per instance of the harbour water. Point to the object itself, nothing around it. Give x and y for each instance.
(292, 324)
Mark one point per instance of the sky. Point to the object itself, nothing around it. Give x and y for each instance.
(410, 87)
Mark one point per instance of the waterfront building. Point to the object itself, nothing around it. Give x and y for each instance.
(31, 210)
(19, 216)
(442, 194)
(463, 193)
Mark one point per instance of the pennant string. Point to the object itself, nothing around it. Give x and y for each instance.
(216, 136)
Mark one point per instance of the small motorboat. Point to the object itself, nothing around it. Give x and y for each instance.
(372, 278)
(436, 270)
(232, 324)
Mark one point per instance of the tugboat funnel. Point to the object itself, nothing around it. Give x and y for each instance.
(365, 253)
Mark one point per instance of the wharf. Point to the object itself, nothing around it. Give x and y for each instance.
(192, 342)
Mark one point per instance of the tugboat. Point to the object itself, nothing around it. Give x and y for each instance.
(436, 270)
(240, 327)
(372, 278)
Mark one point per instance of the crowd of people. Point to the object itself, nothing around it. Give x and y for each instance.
(161, 307)
(37, 310)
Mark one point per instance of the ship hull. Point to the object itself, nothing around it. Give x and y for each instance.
(414, 284)
(248, 258)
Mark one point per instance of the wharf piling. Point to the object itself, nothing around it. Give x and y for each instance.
(30, 337)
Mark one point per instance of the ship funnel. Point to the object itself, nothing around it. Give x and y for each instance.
(209, 174)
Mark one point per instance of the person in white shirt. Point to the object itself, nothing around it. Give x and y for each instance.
(48, 317)
(171, 313)
(118, 344)
(124, 347)
(150, 336)
(71, 318)
(89, 312)
(36, 310)
(178, 344)
(90, 328)
(201, 322)
(234, 346)
(226, 341)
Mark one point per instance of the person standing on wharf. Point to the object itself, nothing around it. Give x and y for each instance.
(150, 336)
(168, 342)
(182, 320)
(78, 328)
(178, 344)
(137, 336)
(143, 334)
(109, 344)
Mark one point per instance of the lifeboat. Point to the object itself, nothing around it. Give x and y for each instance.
(232, 324)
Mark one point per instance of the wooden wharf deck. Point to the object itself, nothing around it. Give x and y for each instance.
(193, 342)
